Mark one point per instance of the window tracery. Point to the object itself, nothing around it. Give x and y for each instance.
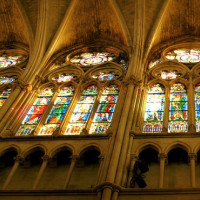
(177, 69)
(70, 112)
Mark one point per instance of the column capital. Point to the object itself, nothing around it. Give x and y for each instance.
(192, 156)
(74, 158)
(23, 85)
(162, 156)
(101, 158)
(130, 80)
(18, 159)
(134, 157)
(45, 158)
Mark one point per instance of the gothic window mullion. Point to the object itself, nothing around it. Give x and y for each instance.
(46, 112)
(36, 112)
(58, 111)
(166, 109)
(82, 111)
(94, 110)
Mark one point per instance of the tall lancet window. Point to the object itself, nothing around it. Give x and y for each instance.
(153, 120)
(197, 106)
(105, 111)
(58, 111)
(35, 113)
(4, 94)
(178, 108)
(82, 111)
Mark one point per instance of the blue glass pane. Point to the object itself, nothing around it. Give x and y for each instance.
(103, 117)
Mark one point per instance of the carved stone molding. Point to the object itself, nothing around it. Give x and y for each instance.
(130, 80)
(192, 156)
(108, 185)
(23, 85)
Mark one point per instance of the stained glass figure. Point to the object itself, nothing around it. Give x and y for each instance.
(178, 108)
(7, 79)
(197, 106)
(106, 108)
(35, 113)
(8, 60)
(58, 111)
(154, 63)
(63, 77)
(92, 58)
(184, 55)
(103, 76)
(4, 96)
(82, 111)
(172, 74)
(153, 120)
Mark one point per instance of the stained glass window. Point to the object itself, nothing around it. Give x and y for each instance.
(6, 79)
(168, 74)
(92, 58)
(178, 108)
(184, 55)
(197, 106)
(4, 96)
(63, 77)
(35, 113)
(106, 108)
(82, 111)
(103, 76)
(154, 63)
(58, 111)
(6, 60)
(153, 120)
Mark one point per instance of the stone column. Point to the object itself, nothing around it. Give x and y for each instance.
(166, 110)
(18, 160)
(192, 158)
(132, 163)
(41, 171)
(162, 158)
(191, 107)
(115, 194)
(74, 159)
(101, 158)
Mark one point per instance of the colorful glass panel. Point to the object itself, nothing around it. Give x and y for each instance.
(4, 96)
(6, 79)
(105, 111)
(103, 76)
(58, 111)
(92, 58)
(82, 111)
(153, 119)
(169, 75)
(35, 113)
(154, 63)
(184, 55)
(62, 78)
(197, 107)
(178, 108)
(6, 61)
